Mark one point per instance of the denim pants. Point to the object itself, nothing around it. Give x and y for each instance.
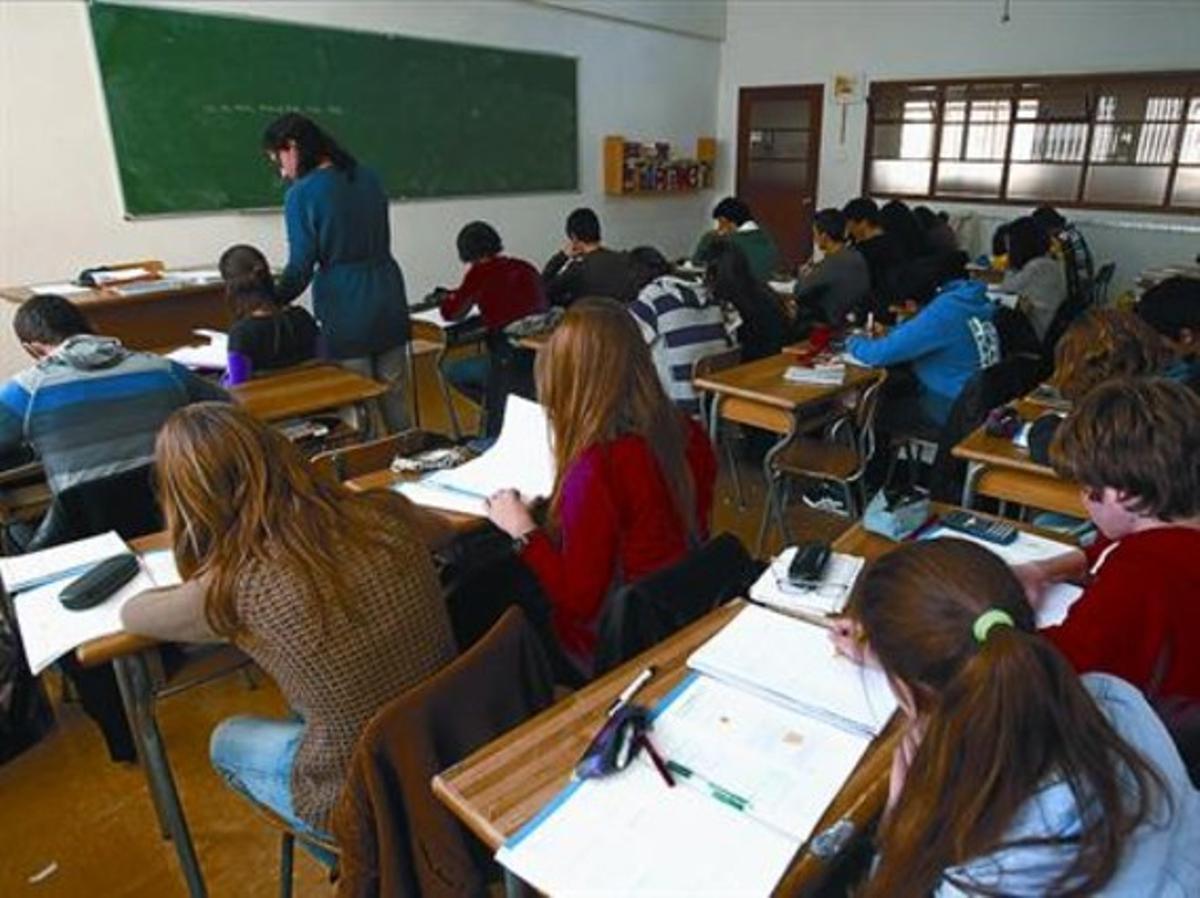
(255, 756)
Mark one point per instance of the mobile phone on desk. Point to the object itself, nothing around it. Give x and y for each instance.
(808, 565)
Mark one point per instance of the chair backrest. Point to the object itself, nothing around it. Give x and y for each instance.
(375, 455)
(711, 364)
(124, 502)
(1101, 282)
(395, 837)
(865, 411)
(647, 612)
(1003, 382)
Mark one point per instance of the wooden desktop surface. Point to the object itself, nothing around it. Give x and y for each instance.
(1010, 474)
(305, 390)
(756, 393)
(147, 320)
(500, 787)
(387, 479)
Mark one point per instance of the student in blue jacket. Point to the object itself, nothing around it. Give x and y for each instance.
(336, 213)
(946, 342)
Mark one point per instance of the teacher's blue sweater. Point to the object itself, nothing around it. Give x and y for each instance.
(337, 224)
(947, 342)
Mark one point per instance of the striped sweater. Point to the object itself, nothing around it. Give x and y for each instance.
(92, 408)
(681, 325)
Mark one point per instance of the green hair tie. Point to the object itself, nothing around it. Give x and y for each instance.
(993, 617)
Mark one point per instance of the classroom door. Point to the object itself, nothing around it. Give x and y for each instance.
(779, 147)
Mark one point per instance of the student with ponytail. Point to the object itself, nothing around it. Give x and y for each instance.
(1014, 776)
(265, 333)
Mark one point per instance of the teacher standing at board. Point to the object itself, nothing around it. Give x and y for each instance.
(337, 224)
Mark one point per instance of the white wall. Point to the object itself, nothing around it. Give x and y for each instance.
(60, 205)
(807, 41)
(702, 18)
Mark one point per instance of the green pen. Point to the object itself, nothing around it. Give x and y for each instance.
(721, 794)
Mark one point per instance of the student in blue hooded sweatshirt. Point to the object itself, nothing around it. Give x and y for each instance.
(946, 342)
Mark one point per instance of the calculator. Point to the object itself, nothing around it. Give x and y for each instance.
(1000, 532)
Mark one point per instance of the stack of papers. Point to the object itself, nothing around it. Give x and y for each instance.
(773, 588)
(211, 356)
(520, 459)
(48, 630)
(792, 662)
(752, 781)
(832, 373)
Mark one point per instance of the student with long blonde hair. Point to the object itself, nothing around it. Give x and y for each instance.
(635, 476)
(333, 593)
(1013, 775)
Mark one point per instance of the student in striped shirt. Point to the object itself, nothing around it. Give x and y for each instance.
(680, 322)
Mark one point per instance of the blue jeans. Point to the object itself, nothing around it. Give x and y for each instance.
(255, 756)
(470, 376)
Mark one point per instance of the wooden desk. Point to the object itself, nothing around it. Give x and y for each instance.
(24, 493)
(756, 394)
(150, 319)
(996, 467)
(129, 655)
(432, 337)
(308, 389)
(387, 479)
(500, 787)
(537, 341)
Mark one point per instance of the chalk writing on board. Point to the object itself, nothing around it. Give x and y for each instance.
(272, 108)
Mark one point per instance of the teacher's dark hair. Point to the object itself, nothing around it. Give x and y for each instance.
(49, 319)
(313, 143)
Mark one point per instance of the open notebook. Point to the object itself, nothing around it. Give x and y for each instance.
(520, 459)
(35, 580)
(752, 780)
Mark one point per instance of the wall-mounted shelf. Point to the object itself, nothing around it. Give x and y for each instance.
(633, 168)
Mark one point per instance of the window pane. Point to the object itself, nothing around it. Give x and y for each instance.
(906, 141)
(894, 101)
(1049, 141)
(779, 114)
(1187, 188)
(1189, 150)
(1054, 100)
(899, 176)
(773, 144)
(952, 138)
(1128, 184)
(969, 178)
(1043, 182)
(783, 174)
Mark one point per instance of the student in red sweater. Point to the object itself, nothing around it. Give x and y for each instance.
(1134, 446)
(504, 290)
(635, 475)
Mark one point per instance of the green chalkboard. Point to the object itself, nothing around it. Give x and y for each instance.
(188, 96)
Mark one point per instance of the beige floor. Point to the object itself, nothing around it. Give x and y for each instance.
(73, 824)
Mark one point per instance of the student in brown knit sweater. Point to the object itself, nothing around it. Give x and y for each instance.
(332, 593)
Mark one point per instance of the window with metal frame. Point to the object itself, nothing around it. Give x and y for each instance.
(1127, 141)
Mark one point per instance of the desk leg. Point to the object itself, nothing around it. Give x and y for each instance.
(446, 397)
(515, 887)
(416, 388)
(771, 504)
(974, 471)
(137, 692)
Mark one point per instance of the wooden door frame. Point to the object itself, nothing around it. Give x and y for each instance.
(780, 91)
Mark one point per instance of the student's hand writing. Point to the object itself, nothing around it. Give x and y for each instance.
(506, 510)
(848, 639)
(1034, 579)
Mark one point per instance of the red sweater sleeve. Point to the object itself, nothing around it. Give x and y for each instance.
(703, 462)
(1117, 626)
(576, 574)
(460, 301)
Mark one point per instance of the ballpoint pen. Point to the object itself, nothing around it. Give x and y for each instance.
(630, 691)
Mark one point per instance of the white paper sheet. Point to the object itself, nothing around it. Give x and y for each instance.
(816, 374)
(629, 834)
(194, 275)
(784, 766)
(520, 459)
(69, 560)
(159, 565)
(1056, 604)
(1026, 547)
(793, 662)
(64, 289)
(213, 355)
(787, 287)
(432, 316)
(773, 589)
